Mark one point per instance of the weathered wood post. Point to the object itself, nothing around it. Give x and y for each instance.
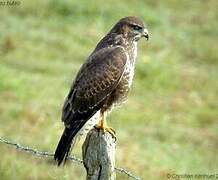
(98, 153)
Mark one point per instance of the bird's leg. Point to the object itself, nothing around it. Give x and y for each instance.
(103, 125)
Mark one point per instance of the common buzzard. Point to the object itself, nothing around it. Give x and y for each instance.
(102, 82)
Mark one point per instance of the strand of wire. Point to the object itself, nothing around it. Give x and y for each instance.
(49, 154)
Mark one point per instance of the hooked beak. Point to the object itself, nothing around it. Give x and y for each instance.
(145, 34)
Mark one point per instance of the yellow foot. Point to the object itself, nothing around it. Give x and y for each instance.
(103, 125)
(106, 129)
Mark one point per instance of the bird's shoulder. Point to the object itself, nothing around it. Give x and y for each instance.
(111, 40)
(102, 59)
(97, 78)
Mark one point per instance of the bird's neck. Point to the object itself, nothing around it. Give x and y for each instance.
(131, 48)
(113, 39)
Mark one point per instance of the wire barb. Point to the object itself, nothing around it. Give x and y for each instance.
(36, 152)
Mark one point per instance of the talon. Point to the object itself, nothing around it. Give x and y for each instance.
(111, 131)
(107, 129)
(103, 125)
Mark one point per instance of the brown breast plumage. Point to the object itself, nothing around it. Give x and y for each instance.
(120, 94)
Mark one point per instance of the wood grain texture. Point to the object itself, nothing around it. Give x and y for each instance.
(99, 155)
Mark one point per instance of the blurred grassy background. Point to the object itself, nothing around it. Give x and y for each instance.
(169, 124)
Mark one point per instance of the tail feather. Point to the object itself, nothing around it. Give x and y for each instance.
(64, 146)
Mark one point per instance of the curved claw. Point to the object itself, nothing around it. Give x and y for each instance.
(107, 129)
(103, 125)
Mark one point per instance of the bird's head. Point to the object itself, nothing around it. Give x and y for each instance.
(132, 28)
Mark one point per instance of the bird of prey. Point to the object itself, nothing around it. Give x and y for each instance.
(102, 83)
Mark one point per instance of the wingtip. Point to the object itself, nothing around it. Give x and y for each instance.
(58, 161)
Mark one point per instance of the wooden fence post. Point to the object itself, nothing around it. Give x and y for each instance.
(98, 153)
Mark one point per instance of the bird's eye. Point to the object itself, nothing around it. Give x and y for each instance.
(136, 27)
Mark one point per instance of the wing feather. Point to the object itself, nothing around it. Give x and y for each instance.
(97, 79)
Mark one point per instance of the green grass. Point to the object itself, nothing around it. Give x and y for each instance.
(169, 124)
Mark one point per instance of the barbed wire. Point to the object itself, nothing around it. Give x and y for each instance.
(36, 152)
